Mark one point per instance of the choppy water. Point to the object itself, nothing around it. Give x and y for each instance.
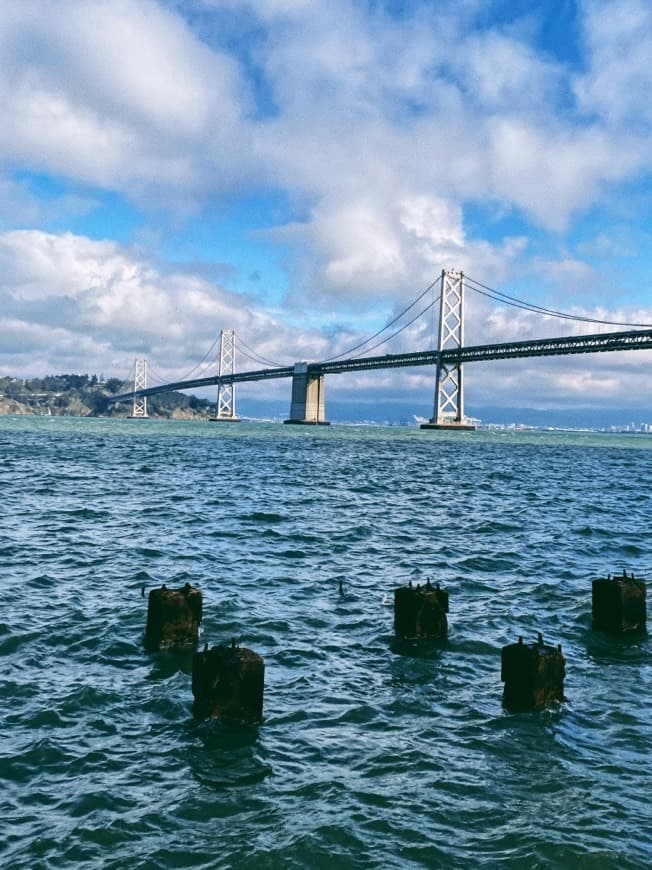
(366, 757)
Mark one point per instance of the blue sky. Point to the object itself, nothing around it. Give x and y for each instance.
(299, 171)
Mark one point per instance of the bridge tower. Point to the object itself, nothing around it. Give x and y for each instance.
(140, 383)
(226, 392)
(448, 411)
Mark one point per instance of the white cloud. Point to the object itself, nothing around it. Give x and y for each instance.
(501, 74)
(120, 94)
(490, 121)
(618, 39)
(371, 111)
(112, 302)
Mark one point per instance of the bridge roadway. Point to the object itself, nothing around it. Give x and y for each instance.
(640, 339)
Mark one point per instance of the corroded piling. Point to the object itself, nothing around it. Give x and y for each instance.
(173, 618)
(533, 674)
(420, 612)
(619, 604)
(228, 684)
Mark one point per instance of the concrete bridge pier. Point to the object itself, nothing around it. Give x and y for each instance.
(308, 406)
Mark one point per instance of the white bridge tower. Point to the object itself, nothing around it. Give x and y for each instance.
(448, 411)
(226, 392)
(140, 383)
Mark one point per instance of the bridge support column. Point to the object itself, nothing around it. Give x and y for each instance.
(448, 411)
(140, 383)
(308, 406)
(226, 392)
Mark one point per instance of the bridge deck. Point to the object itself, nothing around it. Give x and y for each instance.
(640, 339)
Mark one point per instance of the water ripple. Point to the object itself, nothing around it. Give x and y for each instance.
(372, 753)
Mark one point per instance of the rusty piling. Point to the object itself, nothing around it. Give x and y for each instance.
(619, 604)
(173, 618)
(533, 674)
(228, 684)
(420, 612)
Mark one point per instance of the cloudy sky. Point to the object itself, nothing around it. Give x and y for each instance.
(300, 170)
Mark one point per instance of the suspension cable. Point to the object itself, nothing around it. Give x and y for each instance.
(256, 356)
(387, 325)
(402, 328)
(249, 356)
(155, 375)
(132, 372)
(514, 302)
(256, 359)
(201, 361)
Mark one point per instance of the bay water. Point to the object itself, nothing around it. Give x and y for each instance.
(369, 755)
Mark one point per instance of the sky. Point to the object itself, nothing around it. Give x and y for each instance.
(300, 171)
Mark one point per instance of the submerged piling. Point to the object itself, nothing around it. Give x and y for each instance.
(420, 612)
(173, 618)
(228, 684)
(619, 604)
(533, 674)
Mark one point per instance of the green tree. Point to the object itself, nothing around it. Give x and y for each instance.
(113, 386)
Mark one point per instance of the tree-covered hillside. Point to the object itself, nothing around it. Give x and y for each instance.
(76, 395)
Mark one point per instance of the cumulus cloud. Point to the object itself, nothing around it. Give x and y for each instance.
(369, 111)
(491, 122)
(618, 40)
(117, 94)
(103, 303)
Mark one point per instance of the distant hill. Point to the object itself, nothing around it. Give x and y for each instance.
(87, 396)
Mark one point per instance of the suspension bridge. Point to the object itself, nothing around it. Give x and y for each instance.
(307, 405)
